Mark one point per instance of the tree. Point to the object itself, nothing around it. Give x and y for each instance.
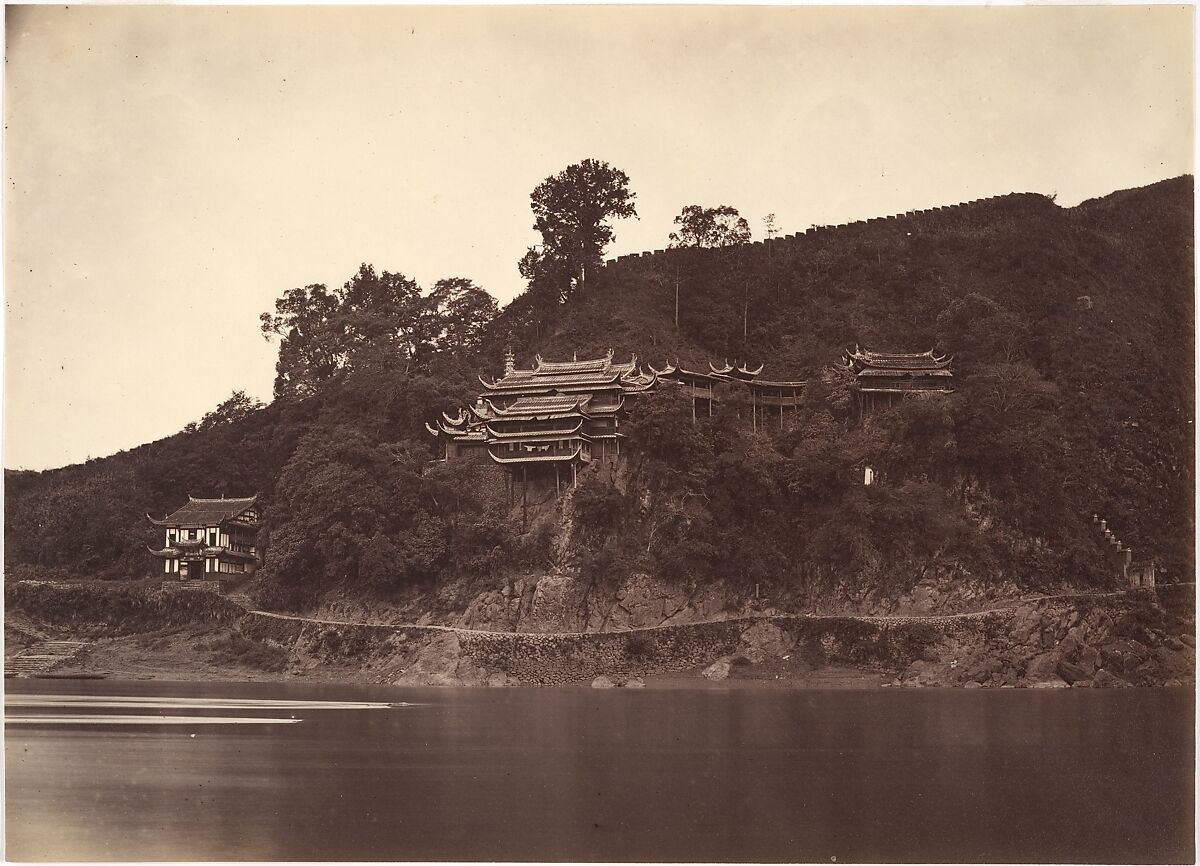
(312, 346)
(238, 406)
(720, 226)
(572, 210)
(387, 312)
(349, 511)
(322, 332)
(461, 311)
(976, 328)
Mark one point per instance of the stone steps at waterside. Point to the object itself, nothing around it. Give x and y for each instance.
(43, 657)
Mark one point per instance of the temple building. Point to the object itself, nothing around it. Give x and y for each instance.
(769, 400)
(209, 537)
(559, 414)
(882, 378)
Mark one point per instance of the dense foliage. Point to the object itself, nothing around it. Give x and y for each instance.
(720, 226)
(1072, 331)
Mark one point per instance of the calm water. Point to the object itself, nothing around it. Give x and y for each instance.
(520, 774)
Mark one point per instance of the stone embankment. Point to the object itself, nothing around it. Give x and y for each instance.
(1053, 641)
(1143, 637)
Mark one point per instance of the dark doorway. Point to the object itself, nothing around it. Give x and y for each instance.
(195, 570)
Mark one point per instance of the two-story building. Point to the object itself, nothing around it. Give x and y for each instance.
(207, 538)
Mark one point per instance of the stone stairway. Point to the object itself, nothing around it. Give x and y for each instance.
(1141, 574)
(43, 657)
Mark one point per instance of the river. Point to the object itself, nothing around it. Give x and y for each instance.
(264, 771)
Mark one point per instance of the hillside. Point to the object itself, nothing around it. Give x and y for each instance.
(1091, 305)
(1105, 290)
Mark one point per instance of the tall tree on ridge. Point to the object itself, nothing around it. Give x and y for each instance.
(572, 210)
(720, 226)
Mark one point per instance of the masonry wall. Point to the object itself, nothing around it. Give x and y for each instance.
(978, 212)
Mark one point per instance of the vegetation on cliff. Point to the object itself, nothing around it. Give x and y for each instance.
(1072, 330)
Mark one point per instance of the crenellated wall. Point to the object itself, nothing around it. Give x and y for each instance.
(956, 215)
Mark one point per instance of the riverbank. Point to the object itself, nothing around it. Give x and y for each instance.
(1099, 640)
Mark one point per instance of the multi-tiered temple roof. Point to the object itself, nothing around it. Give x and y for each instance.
(896, 372)
(882, 378)
(554, 412)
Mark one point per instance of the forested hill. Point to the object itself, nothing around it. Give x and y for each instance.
(1073, 334)
(1098, 299)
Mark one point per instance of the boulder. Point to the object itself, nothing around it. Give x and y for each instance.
(498, 679)
(436, 663)
(973, 685)
(1069, 646)
(603, 682)
(1106, 680)
(1027, 626)
(1072, 672)
(1042, 667)
(635, 683)
(1173, 643)
(1099, 620)
(765, 640)
(1188, 639)
(1075, 640)
(1082, 684)
(1089, 658)
(1054, 683)
(982, 670)
(718, 670)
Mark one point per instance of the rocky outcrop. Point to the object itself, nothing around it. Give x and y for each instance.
(1085, 641)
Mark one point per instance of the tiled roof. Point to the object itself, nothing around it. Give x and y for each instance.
(570, 426)
(873, 372)
(553, 381)
(860, 360)
(548, 405)
(207, 512)
(767, 384)
(904, 363)
(574, 366)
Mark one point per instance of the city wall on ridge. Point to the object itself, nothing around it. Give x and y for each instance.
(965, 214)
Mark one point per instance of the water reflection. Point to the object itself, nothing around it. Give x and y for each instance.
(518, 774)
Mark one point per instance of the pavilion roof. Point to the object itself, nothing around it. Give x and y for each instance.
(206, 512)
(891, 372)
(597, 372)
(861, 360)
(549, 405)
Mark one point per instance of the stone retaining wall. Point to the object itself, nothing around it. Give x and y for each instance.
(430, 655)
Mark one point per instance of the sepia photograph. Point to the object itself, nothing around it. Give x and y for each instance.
(597, 433)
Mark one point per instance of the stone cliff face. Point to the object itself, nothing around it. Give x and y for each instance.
(559, 600)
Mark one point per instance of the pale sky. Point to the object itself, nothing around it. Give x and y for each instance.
(170, 171)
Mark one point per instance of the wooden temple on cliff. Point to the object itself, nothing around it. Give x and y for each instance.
(883, 378)
(569, 413)
(559, 414)
(206, 538)
(562, 415)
